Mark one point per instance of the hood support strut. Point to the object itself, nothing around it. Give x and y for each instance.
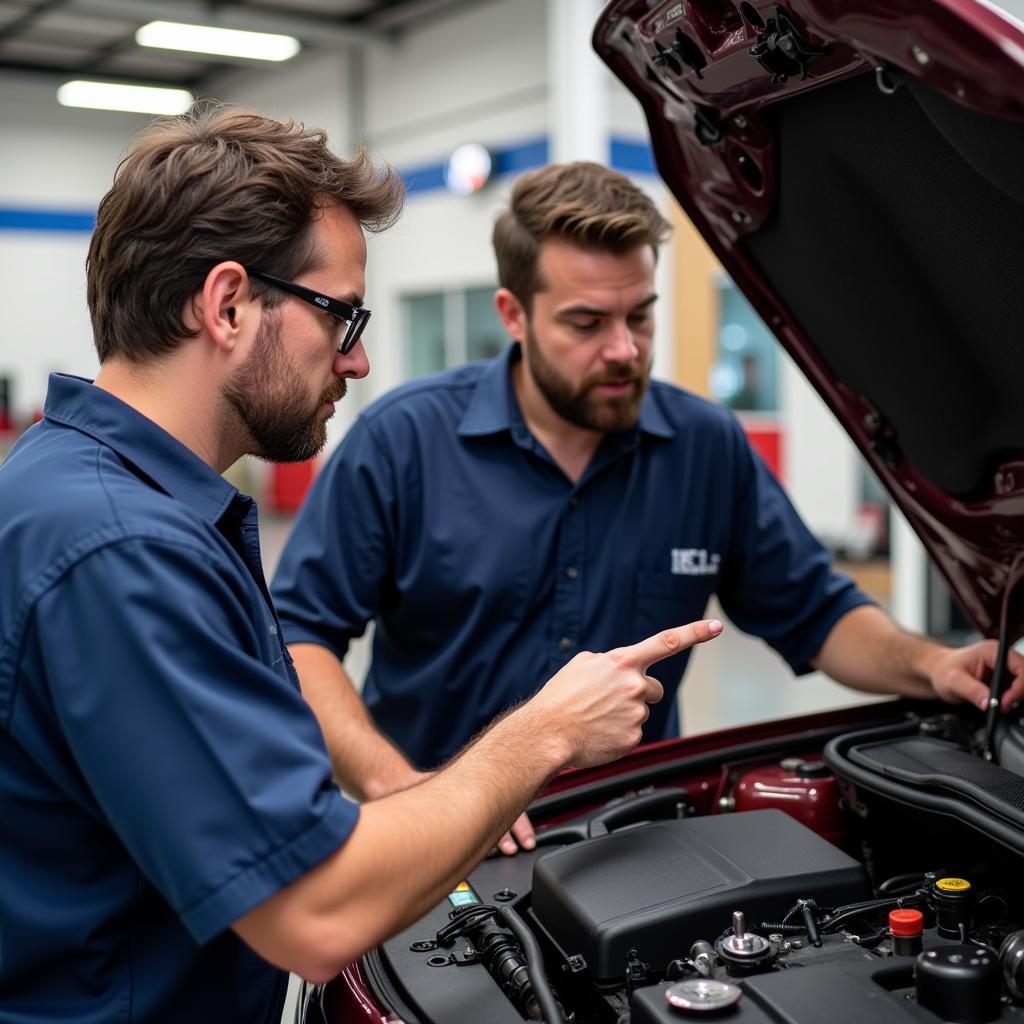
(1001, 675)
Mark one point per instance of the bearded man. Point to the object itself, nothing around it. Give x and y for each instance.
(498, 518)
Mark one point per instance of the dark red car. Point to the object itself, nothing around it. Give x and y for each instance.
(858, 168)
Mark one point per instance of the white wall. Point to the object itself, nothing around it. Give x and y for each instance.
(479, 75)
(54, 159)
(822, 465)
(318, 91)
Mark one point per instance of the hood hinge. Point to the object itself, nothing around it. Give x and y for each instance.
(782, 51)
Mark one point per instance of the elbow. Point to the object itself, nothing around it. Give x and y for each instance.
(322, 954)
(316, 949)
(319, 971)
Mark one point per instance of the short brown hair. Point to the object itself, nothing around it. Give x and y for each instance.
(582, 203)
(219, 184)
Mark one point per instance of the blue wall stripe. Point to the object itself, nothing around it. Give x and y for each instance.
(509, 160)
(428, 178)
(20, 219)
(625, 155)
(523, 157)
(632, 157)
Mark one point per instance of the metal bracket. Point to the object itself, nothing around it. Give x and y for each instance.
(884, 79)
(636, 970)
(575, 964)
(706, 125)
(782, 51)
(454, 960)
(682, 51)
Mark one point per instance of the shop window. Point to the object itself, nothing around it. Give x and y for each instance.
(745, 373)
(485, 337)
(425, 334)
(449, 328)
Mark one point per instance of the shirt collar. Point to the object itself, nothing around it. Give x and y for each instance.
(76, 402)
(493, 406)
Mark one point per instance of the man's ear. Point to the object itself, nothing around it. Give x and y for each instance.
(224, 307)
(511, 313)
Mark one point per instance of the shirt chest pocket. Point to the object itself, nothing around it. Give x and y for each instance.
(664, 599)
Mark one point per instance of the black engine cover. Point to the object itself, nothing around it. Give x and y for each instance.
(660, 887)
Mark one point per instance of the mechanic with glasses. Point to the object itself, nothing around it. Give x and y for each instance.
(514, 512)
(172, 839)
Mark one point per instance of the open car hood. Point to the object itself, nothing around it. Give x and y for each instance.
(858, 168)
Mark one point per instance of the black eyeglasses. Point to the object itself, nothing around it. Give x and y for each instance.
(355, 316)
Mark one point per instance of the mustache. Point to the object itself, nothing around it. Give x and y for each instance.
(336, 392)
(613, 378)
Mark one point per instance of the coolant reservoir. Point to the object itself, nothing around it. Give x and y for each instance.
(806, 790)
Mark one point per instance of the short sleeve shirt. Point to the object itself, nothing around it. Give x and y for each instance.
(441, 517)
(160, 773)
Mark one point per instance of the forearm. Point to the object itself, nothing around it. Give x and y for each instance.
(409, 849)
(366, 764)
(867, 651)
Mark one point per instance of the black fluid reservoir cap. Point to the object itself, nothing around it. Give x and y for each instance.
(805, 769)
(959, 983)
(953, 900)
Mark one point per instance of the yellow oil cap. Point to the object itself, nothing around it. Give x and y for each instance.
(953, 885)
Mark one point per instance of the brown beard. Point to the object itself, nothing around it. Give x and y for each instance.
(269, 397)
(580, 406)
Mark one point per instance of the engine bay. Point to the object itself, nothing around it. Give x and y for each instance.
(767, 889)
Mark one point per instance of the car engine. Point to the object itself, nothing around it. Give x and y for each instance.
(784, 892)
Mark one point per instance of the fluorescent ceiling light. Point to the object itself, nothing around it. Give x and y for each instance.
(141, 99)
(228, 42)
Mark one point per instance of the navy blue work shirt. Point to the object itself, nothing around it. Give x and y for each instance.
(160, 773)
(486, 569)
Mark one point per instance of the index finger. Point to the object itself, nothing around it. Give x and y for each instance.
(669, 642)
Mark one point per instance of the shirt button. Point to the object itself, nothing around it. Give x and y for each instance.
(571, 571)
(574, 501)
(564, 644)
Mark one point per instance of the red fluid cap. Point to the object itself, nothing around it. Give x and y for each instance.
(907, 923)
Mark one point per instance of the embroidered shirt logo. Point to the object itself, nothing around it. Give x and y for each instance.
(695, 562)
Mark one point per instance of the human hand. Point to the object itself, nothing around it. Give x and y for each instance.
(597, 703)
(961, 674)
(519, 837)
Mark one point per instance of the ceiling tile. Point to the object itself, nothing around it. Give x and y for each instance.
(11, 10)
(65, 21)
(142, 65)
(42, 53)
(340, 7)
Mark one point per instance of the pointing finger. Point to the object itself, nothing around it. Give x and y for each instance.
(669, 642)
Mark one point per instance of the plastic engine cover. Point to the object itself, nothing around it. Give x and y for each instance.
(660, 887)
